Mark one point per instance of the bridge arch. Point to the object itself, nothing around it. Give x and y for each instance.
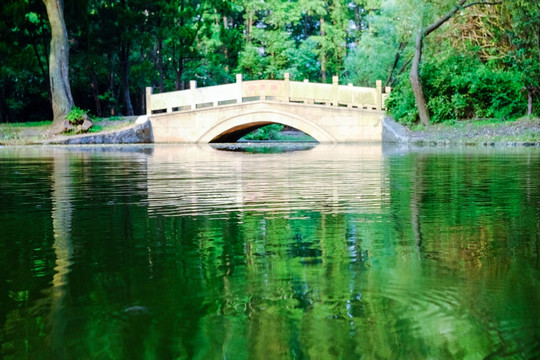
(233, 128)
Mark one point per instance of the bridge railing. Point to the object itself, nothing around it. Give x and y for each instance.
(276, 90)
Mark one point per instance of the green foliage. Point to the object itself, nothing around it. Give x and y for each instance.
(401, 102)
(304, 64)
(460, 87)
(95, 129)
(372, 58)
(116, 45)
(250, 62)
(76, 116)
(269, 132)
(116, 118)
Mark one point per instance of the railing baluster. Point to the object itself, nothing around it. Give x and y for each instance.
(192, 87)
(286, 90)
(148, 101)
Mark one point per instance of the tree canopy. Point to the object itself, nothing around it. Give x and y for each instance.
(481, 62)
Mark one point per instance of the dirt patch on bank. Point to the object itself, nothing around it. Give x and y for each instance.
(522, 132)
(37, 133)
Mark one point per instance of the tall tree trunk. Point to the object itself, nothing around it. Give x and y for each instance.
(95, 90)
(31, 36)
(529, 102)
(143, 101)
(249, 25)
(124, 53)
(323, 53)
(179, 84)
(62, 100)
(416, 84)
(161, 85)
(111, 85)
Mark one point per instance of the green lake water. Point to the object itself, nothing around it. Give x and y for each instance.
(331, 252)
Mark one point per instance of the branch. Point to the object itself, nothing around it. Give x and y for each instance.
(482, 3)
(444, 19)
(401, 70)
(460, 6)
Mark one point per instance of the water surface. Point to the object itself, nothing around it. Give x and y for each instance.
(330, 252)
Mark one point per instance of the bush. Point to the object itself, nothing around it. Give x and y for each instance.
(401, 104)
(77, 116)
(461, 87)
(268, 132)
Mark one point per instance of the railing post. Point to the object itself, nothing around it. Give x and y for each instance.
(351, 92)
(335, 84)
(149, 101)
(239, 96)
(287, 92)
(192, 87)
(378, 97)
(306, 100)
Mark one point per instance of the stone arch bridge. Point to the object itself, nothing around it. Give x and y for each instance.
(330, 113)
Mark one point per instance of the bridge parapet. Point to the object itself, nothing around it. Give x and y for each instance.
(275, 90)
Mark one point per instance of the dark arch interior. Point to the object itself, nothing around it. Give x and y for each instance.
(236, 133)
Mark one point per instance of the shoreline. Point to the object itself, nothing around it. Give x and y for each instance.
(523, 132)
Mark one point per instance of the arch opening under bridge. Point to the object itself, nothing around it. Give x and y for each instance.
(235, 127)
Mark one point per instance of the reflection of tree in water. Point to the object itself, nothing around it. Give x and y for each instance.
(307, 283)
(304, 250)
(63, 249)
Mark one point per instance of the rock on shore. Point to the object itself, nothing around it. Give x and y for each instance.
(139, 133)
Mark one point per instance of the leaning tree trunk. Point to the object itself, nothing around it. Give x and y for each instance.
(61, 98)
(414, 75)
(416, 85)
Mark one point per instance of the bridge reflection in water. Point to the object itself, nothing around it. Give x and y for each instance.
(420, 254)
(201, 180)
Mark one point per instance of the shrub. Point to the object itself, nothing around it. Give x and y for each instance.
(268, 132)
(76, 116)
(461, 87)
(401, 104)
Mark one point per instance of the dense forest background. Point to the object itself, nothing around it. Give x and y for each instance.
(483, 62)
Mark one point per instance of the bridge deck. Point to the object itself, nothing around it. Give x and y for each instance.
(275, 90)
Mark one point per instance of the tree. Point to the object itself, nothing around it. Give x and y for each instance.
(24, 50)
(62, 100)
(422, 34)
(382, 51)
(524, 33)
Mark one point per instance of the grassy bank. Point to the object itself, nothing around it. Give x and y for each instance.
(23, 133)
(524, 130)
(36, 132)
